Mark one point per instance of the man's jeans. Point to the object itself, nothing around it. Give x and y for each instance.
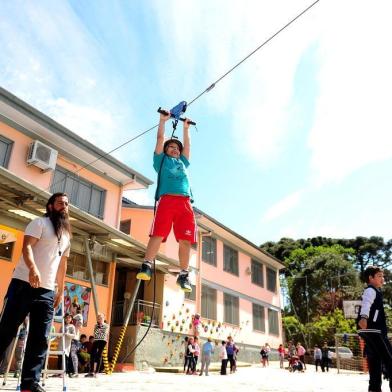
(22, 300)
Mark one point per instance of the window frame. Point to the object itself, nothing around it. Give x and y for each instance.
(205, 308)
(209, 258)
(229, 264)
(128, 222)
(9, 145)
(253, 264)
(234, 313)
(268, 269)
(271, 312)
(256, 307)
(60, 186)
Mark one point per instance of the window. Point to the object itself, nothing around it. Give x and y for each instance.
(83, 194)
(230, 260)
(258, 317)
(208, 302)
(271, 280)
(209, 250)
(125, 226)
(5, 150)
(191, 296)
(273, 324)
(231, 309)
(77, 269)
(6, 250)
(257, 273)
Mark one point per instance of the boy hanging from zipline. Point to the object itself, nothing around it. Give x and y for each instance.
(173, 206)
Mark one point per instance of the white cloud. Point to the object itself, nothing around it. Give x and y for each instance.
(352, 125)
(283, 206)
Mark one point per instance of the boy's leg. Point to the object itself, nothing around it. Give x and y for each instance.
(184, 250)
(153, 245)
(375, 373)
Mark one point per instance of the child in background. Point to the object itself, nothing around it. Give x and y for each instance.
(69, 334)
(301, 353)
(196, 324)
(317, 356)
(281, 352)
(190, 355)
(264, 356)
(372, 316)
(196, 353)
(223, 358)
(186, 359)
(101, 335)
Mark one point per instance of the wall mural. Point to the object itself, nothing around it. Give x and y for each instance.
(183, 322)
(75, 294)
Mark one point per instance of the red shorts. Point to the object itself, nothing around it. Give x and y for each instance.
(176, 211)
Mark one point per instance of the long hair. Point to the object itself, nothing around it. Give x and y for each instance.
(60, 221)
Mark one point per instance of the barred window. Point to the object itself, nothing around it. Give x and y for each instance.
(230, 260)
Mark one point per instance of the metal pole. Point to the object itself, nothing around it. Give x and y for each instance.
(132, 302)
(91, 273)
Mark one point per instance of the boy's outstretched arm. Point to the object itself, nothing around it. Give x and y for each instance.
(187, 140)
(161, 133)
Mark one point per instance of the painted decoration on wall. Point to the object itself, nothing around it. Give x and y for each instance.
(75, 294)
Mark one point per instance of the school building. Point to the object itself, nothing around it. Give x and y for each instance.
(236, 285)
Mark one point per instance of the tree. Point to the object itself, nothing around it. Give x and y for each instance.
(325, 327)
(314, 272)
(368, 250)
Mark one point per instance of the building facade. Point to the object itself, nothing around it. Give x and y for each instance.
(235, 287)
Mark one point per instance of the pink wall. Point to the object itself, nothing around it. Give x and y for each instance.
(140, 226)
(34, 175)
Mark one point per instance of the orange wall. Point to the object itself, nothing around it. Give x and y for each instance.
(33, 174)
(104, 293)
(7, 267)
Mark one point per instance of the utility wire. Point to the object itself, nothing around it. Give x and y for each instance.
(208, 89)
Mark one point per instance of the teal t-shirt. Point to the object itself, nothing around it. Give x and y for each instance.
(174, 176)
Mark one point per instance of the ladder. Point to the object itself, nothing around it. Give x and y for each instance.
(52, 336)
(9, 359)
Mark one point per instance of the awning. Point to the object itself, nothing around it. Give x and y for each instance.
(21, 201)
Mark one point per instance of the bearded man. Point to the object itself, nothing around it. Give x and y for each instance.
(43, 263)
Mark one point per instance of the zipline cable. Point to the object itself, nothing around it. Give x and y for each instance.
(208, 89)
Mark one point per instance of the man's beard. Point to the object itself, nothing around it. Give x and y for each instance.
(60, 221)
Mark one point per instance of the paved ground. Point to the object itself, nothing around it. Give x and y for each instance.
(249, 379)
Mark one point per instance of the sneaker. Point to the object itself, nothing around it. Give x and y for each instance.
(89, 375)
(145, 272)
(183, 282)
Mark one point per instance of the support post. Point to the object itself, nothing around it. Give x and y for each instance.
(91, 273)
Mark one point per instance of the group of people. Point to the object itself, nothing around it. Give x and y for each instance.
(82, 354)
(227, 354)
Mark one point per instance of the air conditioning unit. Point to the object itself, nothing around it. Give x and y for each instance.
(42, 156)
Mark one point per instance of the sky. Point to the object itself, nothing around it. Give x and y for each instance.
(295, 142)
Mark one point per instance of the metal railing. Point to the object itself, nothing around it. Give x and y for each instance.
(141, 313)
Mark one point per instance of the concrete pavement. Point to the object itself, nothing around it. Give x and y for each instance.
(247, 379)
